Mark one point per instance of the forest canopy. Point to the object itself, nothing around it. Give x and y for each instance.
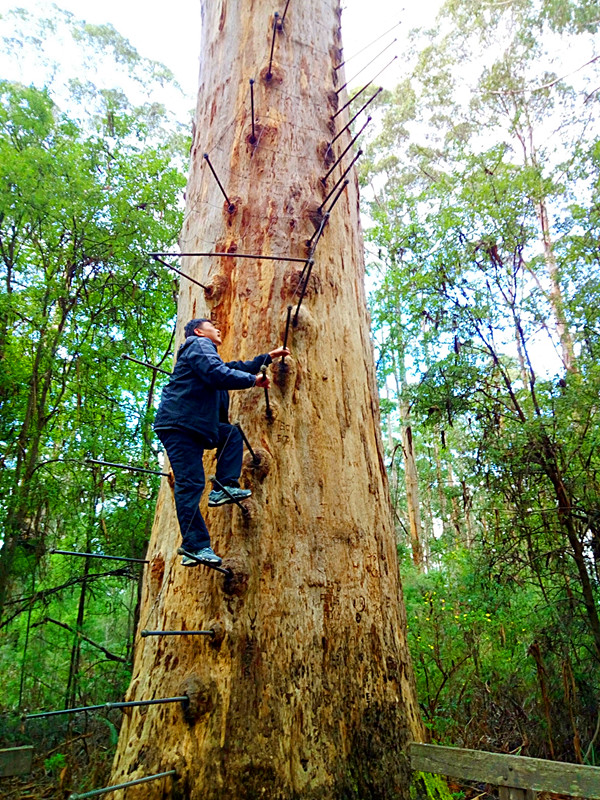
(90, 183)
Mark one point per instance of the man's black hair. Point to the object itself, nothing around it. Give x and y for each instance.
(192, 325)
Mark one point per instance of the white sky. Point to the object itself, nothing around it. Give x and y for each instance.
(169, 32)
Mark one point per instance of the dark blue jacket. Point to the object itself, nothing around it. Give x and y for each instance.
(196, 395)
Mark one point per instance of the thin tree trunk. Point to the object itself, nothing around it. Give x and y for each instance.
(428, 526)
(411, 477)
(73, 677)
(525, 377)
(26, 644)
(565, 516)
(467, 505)
(309, 694)
(412, 496)
(440, 482)
(455, 511)
(536, 653)
(392, 447)
(556, 296)
(570, 692)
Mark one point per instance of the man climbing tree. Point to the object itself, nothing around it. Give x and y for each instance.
(306, 689)
(194, 416)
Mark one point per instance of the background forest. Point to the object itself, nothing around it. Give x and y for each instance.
(481, 190)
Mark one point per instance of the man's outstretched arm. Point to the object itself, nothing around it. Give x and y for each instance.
(253, 366)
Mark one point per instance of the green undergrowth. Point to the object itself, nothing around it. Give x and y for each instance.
(426, 786)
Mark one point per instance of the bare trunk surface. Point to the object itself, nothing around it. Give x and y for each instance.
(556, 295)
(307, 691)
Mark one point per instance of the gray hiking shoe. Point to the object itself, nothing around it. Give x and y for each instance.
(219, 498)
(206, 555)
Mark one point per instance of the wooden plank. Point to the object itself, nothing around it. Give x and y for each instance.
(15, 761)
(504, 770)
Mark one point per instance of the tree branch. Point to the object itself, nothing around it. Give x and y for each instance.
(123, 572)
(110, 656)
(546, 85)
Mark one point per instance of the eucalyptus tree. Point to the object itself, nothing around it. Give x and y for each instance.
(306, 690)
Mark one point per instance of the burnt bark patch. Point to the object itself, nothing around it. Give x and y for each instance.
(257, 470)
(252, 510)
(235, 582)
(284, 373)
(325, 150)
(201, 698)
(157, 571)
(217, 288)
(376, 768)
(291, 282)
(218, 636)
(314, 212)
(274, 77)
(231, 208)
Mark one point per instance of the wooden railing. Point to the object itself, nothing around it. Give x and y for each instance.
(517, 777)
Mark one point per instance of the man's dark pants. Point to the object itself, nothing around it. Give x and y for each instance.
(185, 449)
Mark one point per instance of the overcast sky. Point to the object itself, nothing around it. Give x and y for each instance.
(169, 31)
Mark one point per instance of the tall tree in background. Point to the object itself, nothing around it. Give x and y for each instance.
(516, 133)
(486, 250)
(309, 693)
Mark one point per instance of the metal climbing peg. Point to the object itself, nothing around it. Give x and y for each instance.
(183, 699)
(145, 633)
(230, 205)
(255, 458)
(269, 74)
(136, 782)
(268, 411)
(252, 139)
(287, 330)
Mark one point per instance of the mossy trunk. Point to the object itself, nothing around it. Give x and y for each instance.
(307, 690)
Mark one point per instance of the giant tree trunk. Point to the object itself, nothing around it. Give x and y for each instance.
(307, 692)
